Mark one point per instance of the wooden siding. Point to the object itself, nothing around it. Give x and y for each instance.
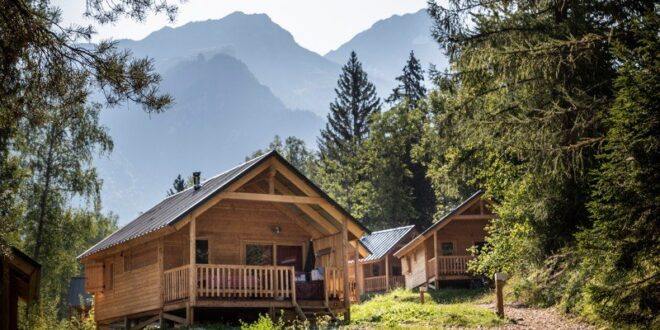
(416, 274)
(132, 291)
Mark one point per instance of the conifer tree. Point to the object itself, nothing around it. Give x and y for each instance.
(349, 117)
(341, 167)
(411, 83)
(178, 185)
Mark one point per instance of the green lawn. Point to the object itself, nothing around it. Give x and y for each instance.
(443, 308)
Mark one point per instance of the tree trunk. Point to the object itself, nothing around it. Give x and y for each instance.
(44, 195)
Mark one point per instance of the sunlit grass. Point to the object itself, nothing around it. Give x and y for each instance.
(443, 308)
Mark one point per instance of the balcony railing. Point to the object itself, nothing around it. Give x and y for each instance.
(245, 282)
(453, 265)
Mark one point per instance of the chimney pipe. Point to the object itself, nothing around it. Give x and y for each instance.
(196, 180)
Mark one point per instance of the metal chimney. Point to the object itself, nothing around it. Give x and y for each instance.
(196, 180)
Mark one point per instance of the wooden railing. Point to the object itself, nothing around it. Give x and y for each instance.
(453, 265)
(175, 283)
(431, 268)
(397, 282)
(375, 283)
(243, 281)
(333, 279)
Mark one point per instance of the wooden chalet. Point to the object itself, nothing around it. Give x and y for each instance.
(380, 271)
(440, 253)
(240, 240)
(20, 277)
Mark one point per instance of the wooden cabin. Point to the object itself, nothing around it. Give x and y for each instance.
(241, 241)
(441, 253)
(380, 271)
(78, 301)
(20, 277)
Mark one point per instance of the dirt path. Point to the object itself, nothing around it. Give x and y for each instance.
(538, 318)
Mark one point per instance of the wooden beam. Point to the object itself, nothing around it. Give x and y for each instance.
(271, 180)
(143, 324)
(435, 255)
(308, 210)
(192, 281)
(347, 299)
(302, 223)
(356, 261)
(174, 318)
(308, 190)
(387, 272)
(161, 270)
(273, 198)
(473, 217)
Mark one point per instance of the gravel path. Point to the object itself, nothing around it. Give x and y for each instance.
(538, 318)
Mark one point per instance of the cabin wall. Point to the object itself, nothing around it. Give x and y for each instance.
(463, 234)
(414, 267)
(230, 225)
(132, 290)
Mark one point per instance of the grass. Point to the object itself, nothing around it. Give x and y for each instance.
(400, 309)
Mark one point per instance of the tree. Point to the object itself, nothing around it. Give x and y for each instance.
(178, 185)
(534, 107)
(294, 150)
(622, 247)
(350, 113)
(341, 166)
(35, 46)
(411, 83)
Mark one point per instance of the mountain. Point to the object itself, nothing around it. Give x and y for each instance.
(221, 114)
(299, 77)
(384, 48)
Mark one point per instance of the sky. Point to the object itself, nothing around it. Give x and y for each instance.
(319, 26)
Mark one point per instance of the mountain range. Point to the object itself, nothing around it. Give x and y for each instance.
(237, 82)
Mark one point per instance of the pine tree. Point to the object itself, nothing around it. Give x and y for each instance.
(178, 185)
(341, 167)
(350, 112)
(411, 83)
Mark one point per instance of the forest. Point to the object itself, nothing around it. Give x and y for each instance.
(550, 107)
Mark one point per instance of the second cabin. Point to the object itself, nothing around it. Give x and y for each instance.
(442, 251)
(260, 236)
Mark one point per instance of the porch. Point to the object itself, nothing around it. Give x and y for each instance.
(447, 268)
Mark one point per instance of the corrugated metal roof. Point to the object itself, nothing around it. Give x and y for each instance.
(381, 242)
(175, 207)
(172, 208)
(77, 289)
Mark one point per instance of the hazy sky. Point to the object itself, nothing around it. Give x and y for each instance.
(316, 25)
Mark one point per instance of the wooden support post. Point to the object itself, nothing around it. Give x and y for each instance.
(436, 255)
(500, 280)
(347, 300)
(192, 288)
(387, 272)
(356, 260)
(161, 269)
(190, 315)
(422, 290)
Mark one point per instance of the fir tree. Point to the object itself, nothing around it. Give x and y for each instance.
(342, 167)
(178, 185)
(350, 112)
(411, 83)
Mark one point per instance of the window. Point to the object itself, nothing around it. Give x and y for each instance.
(375, 269)
(290, 255)
(108, 278)
(447, 248)
(258, 254)
(202, 251)
(396, 270)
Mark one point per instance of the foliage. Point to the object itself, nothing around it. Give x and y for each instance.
(178, 185)
(401, 309)
(294, 150)
(342, 169)
(411, 83)
(551, 107)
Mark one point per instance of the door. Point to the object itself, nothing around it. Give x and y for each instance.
(290, 255)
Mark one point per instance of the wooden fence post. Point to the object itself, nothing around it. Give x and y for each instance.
(500, 280)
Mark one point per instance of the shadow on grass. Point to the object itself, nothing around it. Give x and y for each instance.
(451, 296)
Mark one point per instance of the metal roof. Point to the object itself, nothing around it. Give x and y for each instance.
(381, 242)
(77, 289)
(173, 208)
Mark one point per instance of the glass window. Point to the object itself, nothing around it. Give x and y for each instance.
(447, 248)
(290, 255)
(258, 254)
(202, 251)
(396, 270)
